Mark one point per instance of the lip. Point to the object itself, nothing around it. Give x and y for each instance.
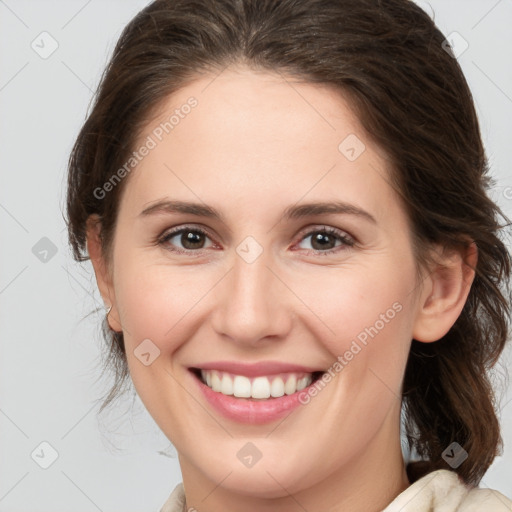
(250, 410)
(259, 369)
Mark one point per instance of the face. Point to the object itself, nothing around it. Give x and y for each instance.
(267, 291)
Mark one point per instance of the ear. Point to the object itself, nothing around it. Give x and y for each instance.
(101, 270)
(444, 292)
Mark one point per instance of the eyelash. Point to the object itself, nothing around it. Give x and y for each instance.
(345, 239)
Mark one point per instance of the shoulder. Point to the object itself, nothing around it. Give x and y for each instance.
(485, 499)
(444, 491)
(438, 491)
(176, 501)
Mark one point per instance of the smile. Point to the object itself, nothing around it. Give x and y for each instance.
(261, 387)
(254, 393)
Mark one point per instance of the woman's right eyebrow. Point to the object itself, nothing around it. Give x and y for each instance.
(169, 206)
(296, 211)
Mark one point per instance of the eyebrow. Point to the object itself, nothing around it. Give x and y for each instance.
(292, 212)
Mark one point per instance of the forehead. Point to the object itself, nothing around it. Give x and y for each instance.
(259, 136)
(246, 106)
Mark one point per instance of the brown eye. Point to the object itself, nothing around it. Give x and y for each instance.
(185, 239)
(192, 240)
(320, 241)
(326, 240)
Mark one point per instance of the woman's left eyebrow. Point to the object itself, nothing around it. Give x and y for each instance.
(333, 207)
(292, 212)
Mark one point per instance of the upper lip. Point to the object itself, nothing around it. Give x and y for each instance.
(256, 369)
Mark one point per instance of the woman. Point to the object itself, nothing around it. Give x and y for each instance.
(285, 206)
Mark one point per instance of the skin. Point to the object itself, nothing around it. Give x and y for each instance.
(255, 145)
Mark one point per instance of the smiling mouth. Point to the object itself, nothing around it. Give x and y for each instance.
(256, 388)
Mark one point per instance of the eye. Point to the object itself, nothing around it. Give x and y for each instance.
(324, 240)
(191, 239)
(327, 240)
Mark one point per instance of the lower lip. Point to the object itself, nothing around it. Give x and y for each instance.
(244, 410)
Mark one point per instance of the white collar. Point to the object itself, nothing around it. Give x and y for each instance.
(438, 491)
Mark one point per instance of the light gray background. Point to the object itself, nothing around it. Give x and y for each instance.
(49, 363)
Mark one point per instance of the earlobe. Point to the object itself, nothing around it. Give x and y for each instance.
(103, 278)
(442, 301)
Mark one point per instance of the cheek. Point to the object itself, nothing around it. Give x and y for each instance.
(344, 304)
(154, 300)
(359, 302)
(366, 326)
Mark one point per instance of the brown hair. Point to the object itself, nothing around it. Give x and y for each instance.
(411, 96)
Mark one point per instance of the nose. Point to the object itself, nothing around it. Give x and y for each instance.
(253, 305)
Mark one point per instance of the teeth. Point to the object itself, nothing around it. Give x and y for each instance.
(277, 388)
(291, 385)
(258, 387)
(303, 383)
(226, 385)
(241, 386)
(215, 381)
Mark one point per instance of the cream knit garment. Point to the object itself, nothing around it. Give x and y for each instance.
(439, 491)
